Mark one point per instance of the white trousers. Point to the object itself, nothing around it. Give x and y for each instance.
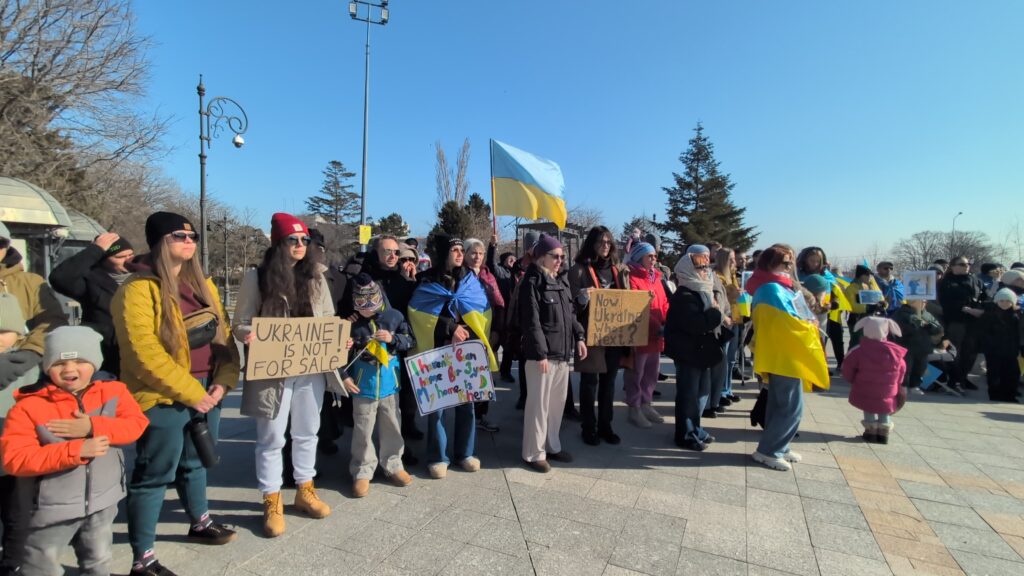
(302, 399)
(545, 402)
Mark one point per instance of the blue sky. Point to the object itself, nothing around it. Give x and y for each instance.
(847, 124)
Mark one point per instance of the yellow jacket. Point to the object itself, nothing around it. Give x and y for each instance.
(154, 376)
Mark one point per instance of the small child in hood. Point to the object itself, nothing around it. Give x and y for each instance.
(62, 436)
(875, 369)
(1001, 341)
(379, 333)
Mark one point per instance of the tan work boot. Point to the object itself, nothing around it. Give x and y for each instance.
(361, 487)
(400, 478)
(309, 503)
(273, 515)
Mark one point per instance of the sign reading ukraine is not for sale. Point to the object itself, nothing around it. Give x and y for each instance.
(450, 375)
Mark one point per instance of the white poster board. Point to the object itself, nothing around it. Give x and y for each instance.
(450, 375)
(920, 285)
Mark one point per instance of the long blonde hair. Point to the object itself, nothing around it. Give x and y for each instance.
(722, 265)
(172, 330)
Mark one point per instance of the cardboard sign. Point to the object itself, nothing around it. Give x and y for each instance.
(450, 375)
(287, 347)
(618, 318)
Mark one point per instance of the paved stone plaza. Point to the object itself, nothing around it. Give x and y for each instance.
(946, 497)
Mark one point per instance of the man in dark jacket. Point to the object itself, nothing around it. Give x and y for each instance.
(398, 284)
(91, 277)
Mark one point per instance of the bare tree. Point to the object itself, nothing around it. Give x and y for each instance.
(922, 248)
(585, 216)
(452, 185)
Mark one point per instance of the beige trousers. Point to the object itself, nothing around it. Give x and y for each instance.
(366, 412)
(545, 400)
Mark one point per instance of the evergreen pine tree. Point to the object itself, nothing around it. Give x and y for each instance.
(336, 202)
(700, 208)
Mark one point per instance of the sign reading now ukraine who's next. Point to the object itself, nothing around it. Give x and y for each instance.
(450, 375)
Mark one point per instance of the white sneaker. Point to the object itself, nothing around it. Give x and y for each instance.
(651, 414)
(916, 391)
(791, 456)
(773, 463)
(636, 416)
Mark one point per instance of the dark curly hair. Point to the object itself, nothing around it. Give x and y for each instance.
(288, 290)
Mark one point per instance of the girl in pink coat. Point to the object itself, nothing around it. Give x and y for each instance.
(875, 369)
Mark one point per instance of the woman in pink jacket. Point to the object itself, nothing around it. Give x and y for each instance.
(875, 369)
(640, 381)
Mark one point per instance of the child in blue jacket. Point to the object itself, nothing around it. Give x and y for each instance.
(379, 334)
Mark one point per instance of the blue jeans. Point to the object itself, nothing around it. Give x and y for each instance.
(692, 388)
(730, 360)
(871, 418)
(465, 435)
(782, 415)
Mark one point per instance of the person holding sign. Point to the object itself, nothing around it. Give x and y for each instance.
(551, 335)
(450, 306)
(380, 334)
(288, 283)
(692, 341)
(176, 370)
(641, 380)
(597, 266)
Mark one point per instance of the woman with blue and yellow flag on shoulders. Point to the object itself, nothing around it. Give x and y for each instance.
(787, 352)
(450, 306)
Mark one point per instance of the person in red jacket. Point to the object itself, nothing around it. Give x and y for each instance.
(62, 436)
(640, 381)
(875, 369)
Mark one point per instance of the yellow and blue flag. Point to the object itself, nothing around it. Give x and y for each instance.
(526, 185)
(469, 302)
(784, 343)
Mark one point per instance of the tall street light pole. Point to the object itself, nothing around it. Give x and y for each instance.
(952, 236)
(218, 110)
(379, 17)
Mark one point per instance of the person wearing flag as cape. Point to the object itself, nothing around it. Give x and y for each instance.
(787, 352)
(450, 306)
(811, 261)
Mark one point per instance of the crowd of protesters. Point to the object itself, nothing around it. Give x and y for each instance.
(157, 353)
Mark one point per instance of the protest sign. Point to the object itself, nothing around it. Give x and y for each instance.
(920, 285)
(618, 317)
(450, 375)
(287, 347)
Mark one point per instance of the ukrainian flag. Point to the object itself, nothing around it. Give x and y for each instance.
(469, 301)
(784, 344)
(526, 185)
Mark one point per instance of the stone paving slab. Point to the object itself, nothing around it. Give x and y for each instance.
(946, 496)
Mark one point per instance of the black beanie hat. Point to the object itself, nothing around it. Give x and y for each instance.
(861, 270)
(317, 237)
(159, 224)
(440, 245)
(120, 245)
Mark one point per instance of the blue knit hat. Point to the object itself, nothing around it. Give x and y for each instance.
(640, 249)
(816, 283)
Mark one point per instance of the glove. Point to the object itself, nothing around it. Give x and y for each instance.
(14, 365)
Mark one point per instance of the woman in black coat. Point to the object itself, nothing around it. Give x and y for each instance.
(692, 341)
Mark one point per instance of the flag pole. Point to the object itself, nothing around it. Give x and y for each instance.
(494, 206)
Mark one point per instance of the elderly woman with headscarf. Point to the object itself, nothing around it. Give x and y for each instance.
(692, 341)
(640, 381)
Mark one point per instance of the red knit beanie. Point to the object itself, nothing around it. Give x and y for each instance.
(283, 225)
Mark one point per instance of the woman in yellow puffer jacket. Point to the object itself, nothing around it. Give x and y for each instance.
(177, 375)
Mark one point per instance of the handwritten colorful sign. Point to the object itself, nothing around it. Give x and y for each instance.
(618, 318)
(450, 375)
(288, 347)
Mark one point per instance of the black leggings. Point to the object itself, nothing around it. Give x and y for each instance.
(15, 504)
(835, 334)
(599, 387)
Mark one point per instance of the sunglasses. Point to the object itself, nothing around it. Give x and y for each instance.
(182, 236)
(5, 243)
(701, 267)
(294, 240)
(787, 263)
(556, 256)
(390, 252)
(404, 260)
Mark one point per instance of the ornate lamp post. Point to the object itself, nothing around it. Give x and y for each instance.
(381, 19)
(218, 110)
